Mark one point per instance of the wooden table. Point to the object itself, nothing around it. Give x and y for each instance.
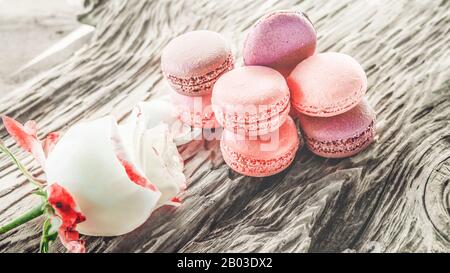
(394, 197)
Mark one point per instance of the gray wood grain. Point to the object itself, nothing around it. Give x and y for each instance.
(394, 197)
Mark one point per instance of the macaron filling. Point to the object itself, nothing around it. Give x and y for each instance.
(252, 166)
(237, 116)
(257, 126)
(201, 84)
(341, 146)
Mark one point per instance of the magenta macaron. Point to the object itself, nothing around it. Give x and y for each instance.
(327, 84)
(251, 100)
(340, 136)
(280, 40)
(192, 62)
(264, 155)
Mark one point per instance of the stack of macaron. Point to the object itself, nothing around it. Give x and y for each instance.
(192, 63)
(327, 90)
(282, 78)
(252, 104)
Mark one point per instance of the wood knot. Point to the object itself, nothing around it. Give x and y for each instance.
(437, 198)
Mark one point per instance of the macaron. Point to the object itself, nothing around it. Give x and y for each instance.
(193, 62)
(262, 155)
(327, 84)
(280, 40)
(340, 136)
(195, 111)
(251, 100)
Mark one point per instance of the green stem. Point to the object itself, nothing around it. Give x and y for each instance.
(28, 216)
(21, 167)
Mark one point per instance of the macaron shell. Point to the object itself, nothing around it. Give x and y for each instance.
(280, 40)
(194, 53)
(194, 61)
(263, 155)
(256, 168)
(343, 149)
(249, 86)
(199, 85)
(345, 134)
(250, 95)
(327, 84)
(195, 111)
(269, 146)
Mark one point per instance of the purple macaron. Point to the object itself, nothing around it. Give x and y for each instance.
(280, 40)
(340, 136)
(193, 61)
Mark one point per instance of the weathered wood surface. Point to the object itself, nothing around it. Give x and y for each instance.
(393, 197)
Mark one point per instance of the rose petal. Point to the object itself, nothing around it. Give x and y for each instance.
(157, 155)
(161, 110)
(50, 142)
(83, 161)
(74, 246)
(31, 127)
(173, 162)
(131, 170)
(65, 207)
(176, 202)
(26, 137)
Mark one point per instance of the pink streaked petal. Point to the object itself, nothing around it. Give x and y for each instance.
(50, 142)
(26, 137)
(74, 246)
(176, 202)
(139, 111)
(183, 186)
(135, 176)
(31, 128)
(66, 209)
(64, 205)
(133, 173)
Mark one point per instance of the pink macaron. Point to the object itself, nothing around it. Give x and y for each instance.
(327, 84)
(263, 155)
(251, 100)
(195, 111)
(340, 136)
(280, 40)
(193, 62)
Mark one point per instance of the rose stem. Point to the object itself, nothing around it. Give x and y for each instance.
(27, 216)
